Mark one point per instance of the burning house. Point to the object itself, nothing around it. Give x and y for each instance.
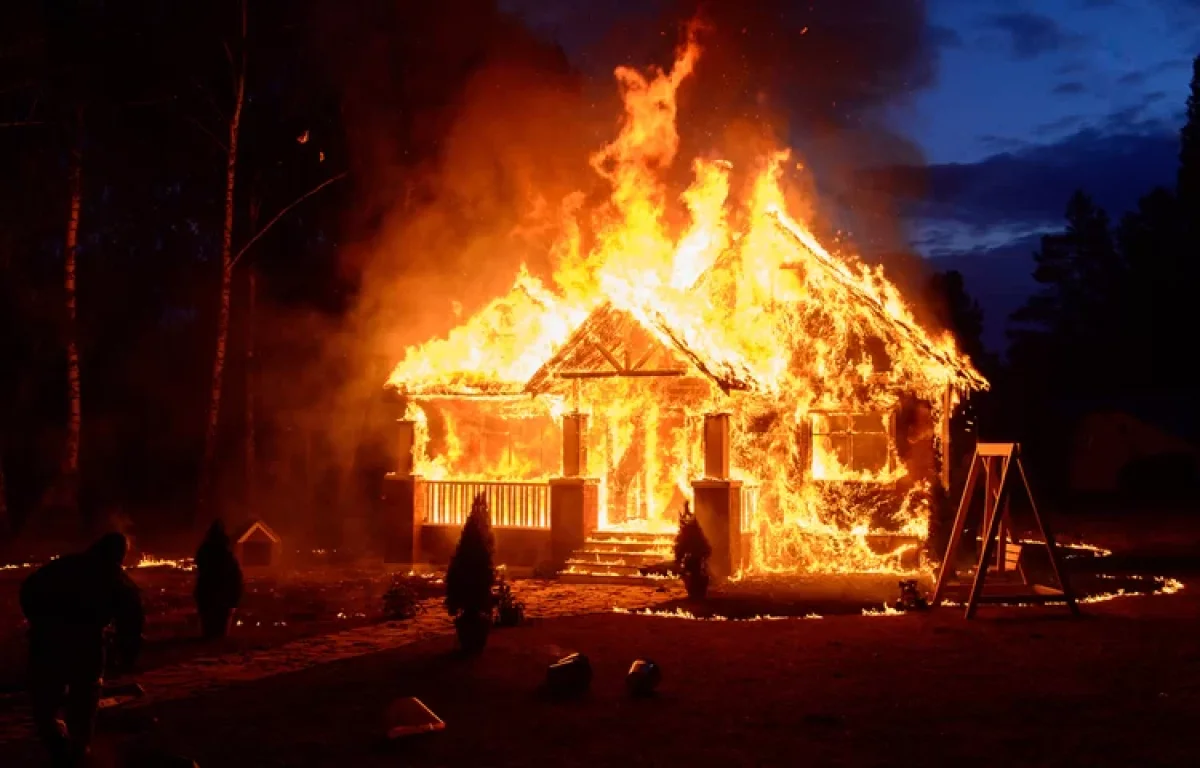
(732, 361)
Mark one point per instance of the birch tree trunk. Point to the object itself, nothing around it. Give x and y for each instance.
(70, 465)
(214, 403)
(251, 436)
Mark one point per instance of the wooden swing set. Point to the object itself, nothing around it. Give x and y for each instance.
(999, 464)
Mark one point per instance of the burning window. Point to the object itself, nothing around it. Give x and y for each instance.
(849, 446)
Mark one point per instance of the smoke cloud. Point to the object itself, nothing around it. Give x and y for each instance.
(469, 122)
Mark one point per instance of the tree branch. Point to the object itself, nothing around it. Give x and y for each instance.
(207, 132)
(212, 102)
(229, 58)
(287, 208)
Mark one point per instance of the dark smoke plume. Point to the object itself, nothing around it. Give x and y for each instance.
(815, 76)
(460, 121)
(468, 125)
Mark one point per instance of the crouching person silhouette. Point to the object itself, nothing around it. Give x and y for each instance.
(70, 603)
(218, 582)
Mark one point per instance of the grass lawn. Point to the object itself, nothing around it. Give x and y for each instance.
(1119, 687)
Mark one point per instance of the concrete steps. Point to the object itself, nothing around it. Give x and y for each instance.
(609, 557)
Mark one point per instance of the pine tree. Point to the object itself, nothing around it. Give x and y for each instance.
(471, 574)
(1189, 147)
(959, 313)
(1071, 328)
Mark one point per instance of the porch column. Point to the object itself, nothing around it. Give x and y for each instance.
(718, 506)
(574, 513)
(574, 445)
(718, 500)
(716, 446)
(406, 446)
(403, 501)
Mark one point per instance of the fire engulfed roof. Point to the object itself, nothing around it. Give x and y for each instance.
(636, 341)
(631, 338)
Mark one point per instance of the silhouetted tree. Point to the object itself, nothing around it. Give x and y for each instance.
(1068, 330)
(1068, 341)
(237, 63)
(1188, 179)
(470, 577)
(958, 312)
(1157, 298)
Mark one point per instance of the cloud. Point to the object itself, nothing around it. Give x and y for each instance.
(1073, 67)
(997, 144)
(1070, 88)
(1031, 35)
(1139, 77)
(1056, 127)
(1026, 189)
(1132, 79)
(944, 37)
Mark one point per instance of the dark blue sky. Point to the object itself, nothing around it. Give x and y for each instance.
(1032, 99)
(1013, 105)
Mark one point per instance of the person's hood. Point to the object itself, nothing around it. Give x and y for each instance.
(110, 549)
(217, 535)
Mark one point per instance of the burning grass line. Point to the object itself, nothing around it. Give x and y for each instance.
(887, 610)
(1163, 586)
(679, 613)
(150, 561)
(1072, 549)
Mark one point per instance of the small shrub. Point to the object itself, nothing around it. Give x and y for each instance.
(400, 602)
(510, 611)
(692, 552)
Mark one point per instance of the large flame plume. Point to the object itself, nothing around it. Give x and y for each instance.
(741, 310)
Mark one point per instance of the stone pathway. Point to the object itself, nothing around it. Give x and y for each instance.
(206, 674)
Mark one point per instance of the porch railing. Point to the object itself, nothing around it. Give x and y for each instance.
(512, 504)
(749, 506)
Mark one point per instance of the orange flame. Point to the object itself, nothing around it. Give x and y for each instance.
(741, 310)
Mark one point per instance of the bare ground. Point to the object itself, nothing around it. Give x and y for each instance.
(1120, 686)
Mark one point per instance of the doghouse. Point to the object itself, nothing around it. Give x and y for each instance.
(257, 546)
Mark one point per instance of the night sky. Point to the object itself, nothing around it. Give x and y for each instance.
(1028, 100)
(1032, 99)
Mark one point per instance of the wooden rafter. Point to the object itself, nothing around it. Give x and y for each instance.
(615, 343)
(607, 353)
(645, 358)
(619, 374)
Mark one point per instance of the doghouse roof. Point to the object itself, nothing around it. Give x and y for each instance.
(249, 529)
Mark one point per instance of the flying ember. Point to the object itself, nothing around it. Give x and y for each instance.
(732, 355)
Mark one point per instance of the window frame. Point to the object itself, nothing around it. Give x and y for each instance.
(886, 417)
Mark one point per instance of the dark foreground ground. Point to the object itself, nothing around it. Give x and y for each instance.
(1120, 687)
(1024, 687)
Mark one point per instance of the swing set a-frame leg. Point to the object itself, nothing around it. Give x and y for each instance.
(956, 533)
(994, 516)
(994, 519)
(1051, 544)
